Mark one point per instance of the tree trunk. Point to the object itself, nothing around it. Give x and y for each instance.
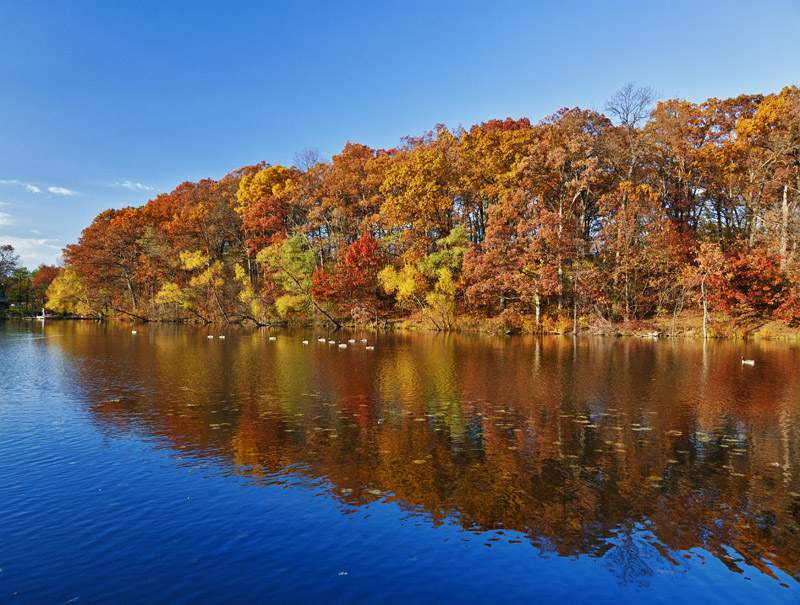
(705, 307)
(575, 311)
(784, 226)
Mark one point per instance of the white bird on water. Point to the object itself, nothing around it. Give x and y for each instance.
(305, 342)
(273, 338)
(748, 362)
(133, 331)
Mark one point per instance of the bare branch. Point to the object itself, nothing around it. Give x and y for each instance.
(631, 104)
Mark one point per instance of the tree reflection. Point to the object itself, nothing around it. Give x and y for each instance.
(624, 450)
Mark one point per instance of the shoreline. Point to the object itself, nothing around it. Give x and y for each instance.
(686, 326)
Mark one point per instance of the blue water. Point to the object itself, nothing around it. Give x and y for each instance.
(100, 512)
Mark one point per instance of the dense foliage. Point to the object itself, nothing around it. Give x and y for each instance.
(581, 217)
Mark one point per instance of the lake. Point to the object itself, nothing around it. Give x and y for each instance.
(167, 466)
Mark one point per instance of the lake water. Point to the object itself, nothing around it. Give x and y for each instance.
(166, 466)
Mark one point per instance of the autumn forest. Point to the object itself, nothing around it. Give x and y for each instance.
(581, 222)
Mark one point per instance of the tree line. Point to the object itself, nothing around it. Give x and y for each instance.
(581, 219)
(20, 287)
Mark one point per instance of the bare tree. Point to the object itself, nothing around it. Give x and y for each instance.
(303, 160)
(631, 105)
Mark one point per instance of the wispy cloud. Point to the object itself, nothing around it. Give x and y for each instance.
(61, 191)
(6, 219)
(31, 188)
(132, 186)
(34, 251)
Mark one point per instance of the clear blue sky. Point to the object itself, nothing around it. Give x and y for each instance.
(106, 104)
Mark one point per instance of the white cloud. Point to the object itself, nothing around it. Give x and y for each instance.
(6, 219)
(61, 191)
(33, 251)
(132, 186)
(31, 188)
(28, 186)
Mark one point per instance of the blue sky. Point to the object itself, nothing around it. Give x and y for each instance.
(107, 104)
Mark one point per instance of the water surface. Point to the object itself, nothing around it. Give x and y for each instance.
(166, 466)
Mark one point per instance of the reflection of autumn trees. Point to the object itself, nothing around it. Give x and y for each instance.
(584, 446)
(526, 224)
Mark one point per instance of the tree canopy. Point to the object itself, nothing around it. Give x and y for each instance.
(579, 217)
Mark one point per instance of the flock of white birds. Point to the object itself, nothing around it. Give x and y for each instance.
(342, 345)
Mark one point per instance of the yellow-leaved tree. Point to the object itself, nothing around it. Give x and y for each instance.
(68, 294)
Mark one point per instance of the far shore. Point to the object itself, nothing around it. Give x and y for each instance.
(687, 325)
